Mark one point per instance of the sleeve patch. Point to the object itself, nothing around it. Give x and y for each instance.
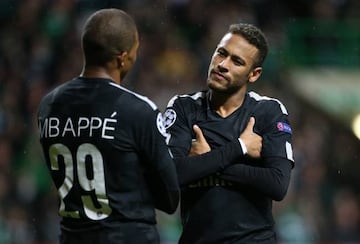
(284, 127)
(160, 125)
(169, 118)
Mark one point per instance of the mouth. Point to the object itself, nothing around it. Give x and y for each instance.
(218, 76)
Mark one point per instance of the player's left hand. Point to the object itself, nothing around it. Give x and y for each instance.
(199, 145)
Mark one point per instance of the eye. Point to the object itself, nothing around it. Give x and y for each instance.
(238, 61)
(222, 53)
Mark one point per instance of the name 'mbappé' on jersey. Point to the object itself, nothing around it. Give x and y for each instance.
(106, 152)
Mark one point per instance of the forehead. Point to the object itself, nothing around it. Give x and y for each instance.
(237, 45)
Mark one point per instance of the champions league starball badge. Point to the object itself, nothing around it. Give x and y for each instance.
(169, 118)
(160, 125)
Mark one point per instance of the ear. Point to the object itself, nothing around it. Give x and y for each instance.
(255, 74)
(120, 59)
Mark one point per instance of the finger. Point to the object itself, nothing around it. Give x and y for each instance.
(198, 133)
(250, 125)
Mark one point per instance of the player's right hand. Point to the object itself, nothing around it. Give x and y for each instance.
(252, 141)
(199, 145)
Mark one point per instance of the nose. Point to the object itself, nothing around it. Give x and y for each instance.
(223, 65)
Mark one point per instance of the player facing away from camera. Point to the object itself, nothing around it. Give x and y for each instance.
(232, 147)
(105, 145)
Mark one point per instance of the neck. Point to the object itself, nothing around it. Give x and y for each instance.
(99, 72)
(225, 104)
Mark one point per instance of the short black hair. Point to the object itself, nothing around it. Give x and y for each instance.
(106, 33)
(254, 36)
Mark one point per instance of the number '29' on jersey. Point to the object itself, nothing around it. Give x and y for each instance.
(105, 149)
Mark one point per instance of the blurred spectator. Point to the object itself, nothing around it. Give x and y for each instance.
(346, 218)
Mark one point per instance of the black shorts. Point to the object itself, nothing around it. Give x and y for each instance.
(125, 233)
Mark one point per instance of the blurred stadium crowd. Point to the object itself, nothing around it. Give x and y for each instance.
(40, 48)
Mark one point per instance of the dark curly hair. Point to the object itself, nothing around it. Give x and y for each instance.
(255, 37)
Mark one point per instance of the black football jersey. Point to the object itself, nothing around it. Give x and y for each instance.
(106, 152)
(220, 203)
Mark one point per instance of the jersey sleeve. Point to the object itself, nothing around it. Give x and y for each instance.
(272, 175)
(160, 173)
(272, 180)
(276, 132)
(192, 168)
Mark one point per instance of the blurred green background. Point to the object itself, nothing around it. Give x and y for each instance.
(313, 68)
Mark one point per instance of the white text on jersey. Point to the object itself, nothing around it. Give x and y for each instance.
(79, 127)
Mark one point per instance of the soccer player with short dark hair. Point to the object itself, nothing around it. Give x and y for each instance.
(105, 145)
(232, 147)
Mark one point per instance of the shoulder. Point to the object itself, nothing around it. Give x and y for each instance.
(136, 100)
(52, 95)
(184, 106)
(267, 104)
(191, 98)
(139, 111)
(187, 104)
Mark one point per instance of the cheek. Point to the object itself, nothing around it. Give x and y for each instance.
(212, 63)
(133, 58)
(239, 76)
(236, 72)
(211, 66)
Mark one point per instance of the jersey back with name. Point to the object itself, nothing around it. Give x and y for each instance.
(98, 141)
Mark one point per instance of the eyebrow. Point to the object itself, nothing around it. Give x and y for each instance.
(233, 57)
(238, 59)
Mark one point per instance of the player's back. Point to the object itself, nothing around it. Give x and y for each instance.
(98, 145)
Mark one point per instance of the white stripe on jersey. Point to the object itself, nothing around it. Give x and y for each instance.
(172, 100)
(145, 99)
(289, 151)
(194, 97)
(258, 97)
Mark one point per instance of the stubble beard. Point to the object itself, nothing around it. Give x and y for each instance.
(222, 88)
